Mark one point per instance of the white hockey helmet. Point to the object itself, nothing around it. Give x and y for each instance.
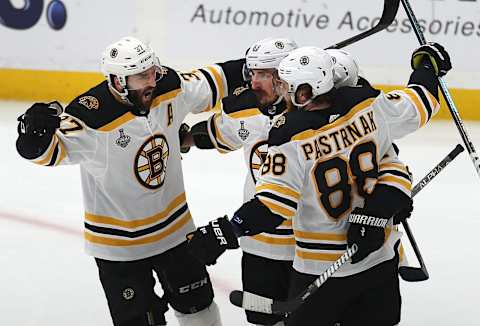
(307, 65)
(126, 57)
(267, 53)
(345, 67)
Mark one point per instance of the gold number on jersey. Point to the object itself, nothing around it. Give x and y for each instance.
(188, 76)
(392, 96)
(69, 125)
(332, 178)
(275, 164)
(169, 114)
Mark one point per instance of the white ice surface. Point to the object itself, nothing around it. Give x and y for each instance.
(46, 279)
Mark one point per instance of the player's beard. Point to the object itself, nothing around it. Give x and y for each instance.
(264, 99)
(142, 98)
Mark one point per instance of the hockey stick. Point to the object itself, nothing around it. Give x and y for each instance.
(390, 9)
(446, 94)
(254, 302)
(417, 274)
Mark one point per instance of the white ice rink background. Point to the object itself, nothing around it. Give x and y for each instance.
(46, 279)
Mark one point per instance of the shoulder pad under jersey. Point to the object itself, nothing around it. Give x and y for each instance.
(346, 98)
(169, 82)
(96, 107)
(240, 100)
(291, 123)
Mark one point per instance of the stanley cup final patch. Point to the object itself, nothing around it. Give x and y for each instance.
(123, 139)
(243, 133)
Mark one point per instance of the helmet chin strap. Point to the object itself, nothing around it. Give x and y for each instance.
(135, 107)
(292, 97)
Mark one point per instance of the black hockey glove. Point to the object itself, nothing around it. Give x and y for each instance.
(40, 119)
(182, 133)
(432, 54)
(367, 231)
(208, 242)
(404, 213)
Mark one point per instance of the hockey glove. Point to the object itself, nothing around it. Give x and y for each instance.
(40, 119)
(367, 231)
(404, 213)
(208, 242)
(182, 133)
(432, 54)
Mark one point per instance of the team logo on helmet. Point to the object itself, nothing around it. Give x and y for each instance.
(256, 47)
(304, 60)
(279, 45)
(123, 140)
(90, 102)
(128, 293)
(151, 162)
(258, 154)
(113, 53)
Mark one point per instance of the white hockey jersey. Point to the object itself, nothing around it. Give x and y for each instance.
(134, 196)
(318, 168)
(242, 124)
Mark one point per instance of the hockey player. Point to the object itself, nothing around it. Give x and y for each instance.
(322, 167)
(124, 134)
(243, 122)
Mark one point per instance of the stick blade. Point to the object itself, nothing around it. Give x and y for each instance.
(413, 274)
(251, 302)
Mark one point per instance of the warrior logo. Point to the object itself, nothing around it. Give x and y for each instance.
(123, 140)
(151, 162)
(304, 60)
(258, 155)
(242, 132)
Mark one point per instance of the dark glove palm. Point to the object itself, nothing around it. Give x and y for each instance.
(40, 119)
(367, 237)
(208, 242)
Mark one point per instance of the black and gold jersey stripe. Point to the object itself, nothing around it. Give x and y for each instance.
(216, 135)
(53, 155)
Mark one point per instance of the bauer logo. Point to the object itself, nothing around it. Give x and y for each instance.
(30, 14)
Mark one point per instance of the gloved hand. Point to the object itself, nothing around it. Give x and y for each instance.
(367, 231)
(208, 242)
(182, 134)
(434, 55)
(403, 213)
(40, 119)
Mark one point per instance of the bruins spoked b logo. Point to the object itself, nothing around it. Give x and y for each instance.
(257, 157)
(151, 162)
